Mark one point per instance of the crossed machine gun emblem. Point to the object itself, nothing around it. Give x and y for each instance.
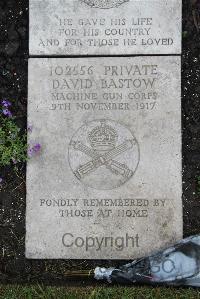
(100, 158)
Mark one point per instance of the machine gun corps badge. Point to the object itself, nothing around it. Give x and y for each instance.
(108, 163)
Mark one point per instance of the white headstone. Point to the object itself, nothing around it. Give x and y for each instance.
(107, 182)
(105, 27)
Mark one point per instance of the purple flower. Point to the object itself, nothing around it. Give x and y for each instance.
(14, 161)
(30, 152)
(1, 180)
(6, 103)
(35, 149)
(30, 128)
(7, 112)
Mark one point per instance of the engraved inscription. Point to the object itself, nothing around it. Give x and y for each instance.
(105, 27)
(121, 88)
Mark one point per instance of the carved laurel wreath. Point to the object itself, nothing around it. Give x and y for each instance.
(104, 3)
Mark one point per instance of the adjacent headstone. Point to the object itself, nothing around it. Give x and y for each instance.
(105, 27)
(107, 182)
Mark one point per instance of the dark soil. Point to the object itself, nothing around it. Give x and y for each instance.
(13, 86)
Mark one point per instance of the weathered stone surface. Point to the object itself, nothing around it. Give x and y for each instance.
(107, 183)
(101, 27)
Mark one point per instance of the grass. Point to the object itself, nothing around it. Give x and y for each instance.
(106, 292)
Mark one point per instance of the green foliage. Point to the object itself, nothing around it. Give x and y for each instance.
(13, 146)
(185, 34)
